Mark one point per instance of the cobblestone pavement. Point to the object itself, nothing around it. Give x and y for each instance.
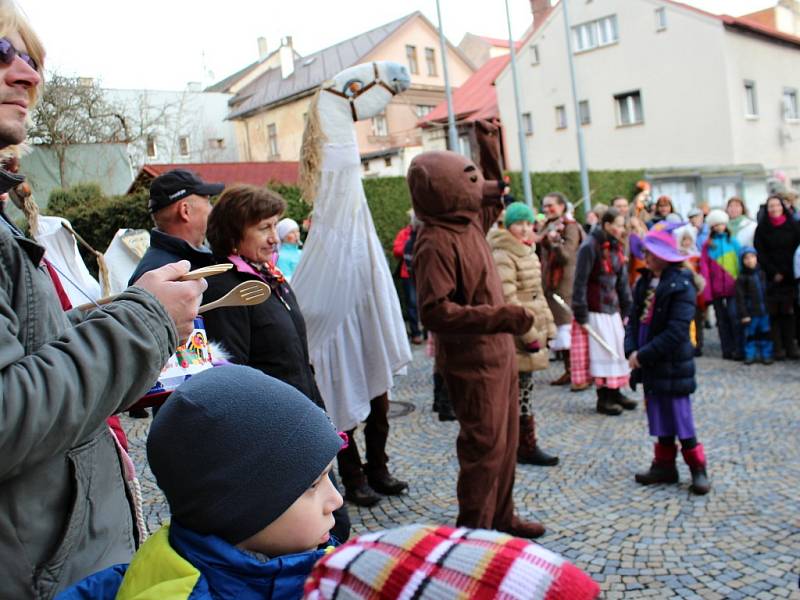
(740, 541)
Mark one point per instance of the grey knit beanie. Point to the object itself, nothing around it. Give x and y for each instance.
(233, 448)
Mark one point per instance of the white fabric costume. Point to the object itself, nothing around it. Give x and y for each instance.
(356, 334)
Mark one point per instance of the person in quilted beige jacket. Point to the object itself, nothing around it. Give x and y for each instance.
(521, 274)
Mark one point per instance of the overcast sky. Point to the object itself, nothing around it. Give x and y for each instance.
(163, 44)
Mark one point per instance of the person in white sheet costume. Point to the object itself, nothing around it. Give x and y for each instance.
(356, 334)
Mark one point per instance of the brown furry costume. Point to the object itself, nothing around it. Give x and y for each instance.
(461, 300)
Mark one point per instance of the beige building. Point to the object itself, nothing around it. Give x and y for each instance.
(707, 104)
(269, 107)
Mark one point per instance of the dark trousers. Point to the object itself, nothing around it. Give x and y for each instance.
(376, 432)
(410, 293)
(727, 324)
(758, 341)
(699, 325)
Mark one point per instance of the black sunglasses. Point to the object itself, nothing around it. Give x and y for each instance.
(8, 52)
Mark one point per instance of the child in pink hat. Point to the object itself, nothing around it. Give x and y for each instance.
(660, 352)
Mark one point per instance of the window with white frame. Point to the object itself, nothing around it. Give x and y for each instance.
(790, 111)
(527, 123)
(594, 34)
(534, 54)
(430, 61)
(661, 19)
(272, 137)
(629, 108)
(423, 109)
(379, 126)
(750, 99)
(183, 145)
(561, 117)
(584, 114)
(152, 148)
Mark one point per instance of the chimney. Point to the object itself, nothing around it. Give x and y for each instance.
(262, 48)
(287, 57)
(540, 10)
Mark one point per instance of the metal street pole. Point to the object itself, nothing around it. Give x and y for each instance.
(451, 119)
(523, 146)
(587, 200)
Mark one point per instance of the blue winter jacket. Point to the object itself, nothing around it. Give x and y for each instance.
(667, 356)
(178, 564)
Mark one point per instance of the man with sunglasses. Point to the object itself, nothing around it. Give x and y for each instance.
(64, 509)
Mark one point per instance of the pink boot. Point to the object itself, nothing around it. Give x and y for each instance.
(696, 459)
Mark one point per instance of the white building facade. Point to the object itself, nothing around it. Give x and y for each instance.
(707, 105)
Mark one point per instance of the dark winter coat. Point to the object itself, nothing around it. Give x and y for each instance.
(667, 356)
(601, 278)
(165, 249)
(751, 299)
(776, 246)
(270, 336)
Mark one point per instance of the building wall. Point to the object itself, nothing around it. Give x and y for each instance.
(770, 138)
(289, 120)
(172, 115)
(679, 72)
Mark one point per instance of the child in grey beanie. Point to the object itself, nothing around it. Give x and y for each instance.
(243, 460)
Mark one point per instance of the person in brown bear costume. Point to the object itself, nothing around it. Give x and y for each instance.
(461, 300)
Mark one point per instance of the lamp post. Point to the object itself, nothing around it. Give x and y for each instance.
(523, 149)
(452, 137)
(587, 200)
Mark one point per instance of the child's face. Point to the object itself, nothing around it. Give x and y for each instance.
(720, 228)
(292, 237)
(750, 260)
(522, 230)
(305, 524)
(687, 243)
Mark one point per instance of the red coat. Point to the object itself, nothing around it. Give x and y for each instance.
(398, 248)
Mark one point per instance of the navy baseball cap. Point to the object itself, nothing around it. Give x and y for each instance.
(175, 185)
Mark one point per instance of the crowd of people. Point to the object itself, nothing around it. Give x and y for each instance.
(245, 451)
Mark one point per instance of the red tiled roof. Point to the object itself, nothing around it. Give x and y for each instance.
(254, 173)
(475, 99)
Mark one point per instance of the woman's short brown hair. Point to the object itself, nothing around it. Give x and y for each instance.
(239, 207)
(733, 199)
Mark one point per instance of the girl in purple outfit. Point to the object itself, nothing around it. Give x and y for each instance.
(660, 351)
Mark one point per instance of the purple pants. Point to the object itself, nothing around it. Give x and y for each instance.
(670, 416)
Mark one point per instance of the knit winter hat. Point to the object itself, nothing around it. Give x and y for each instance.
(717, 217)
(429, 562)
(286, 226)
(516, 212)
(747, 250)
(233, 448)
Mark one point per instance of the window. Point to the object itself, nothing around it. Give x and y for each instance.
(272, 136)
(584, 115)
(387, 161)
(750, 99)
(593, 34)
(661, 19)
(430, 61)
(790, 112)
(183, 145)
(464, 146)
(423, 109)
(379, 126)
(411, 56)
(527, 123)
(629, 108)
(216, 143)
(561, 117)
(152, 150)
(534, 55)
(365, 164)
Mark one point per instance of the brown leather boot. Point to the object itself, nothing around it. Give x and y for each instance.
(528, 451)
(525, 529)
(566, 377)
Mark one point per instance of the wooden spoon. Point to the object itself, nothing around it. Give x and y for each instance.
(246, 293)
(190, 276)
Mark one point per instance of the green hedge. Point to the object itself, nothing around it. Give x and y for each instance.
(97, 217)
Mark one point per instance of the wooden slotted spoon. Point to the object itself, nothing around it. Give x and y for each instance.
(246, 293)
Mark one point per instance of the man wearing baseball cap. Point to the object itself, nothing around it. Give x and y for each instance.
(180, 205)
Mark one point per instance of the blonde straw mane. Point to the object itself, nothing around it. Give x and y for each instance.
(311, 152)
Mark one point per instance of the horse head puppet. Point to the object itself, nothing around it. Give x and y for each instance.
(357, 93)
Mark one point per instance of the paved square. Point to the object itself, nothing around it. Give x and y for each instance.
(740, 541)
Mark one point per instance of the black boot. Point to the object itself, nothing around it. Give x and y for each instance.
(696, 459)
(605, 405)
(788, 327)
(361, 495)
(386, 484)
(663, 469)
(528, 451)
(777, 339)
(625, 402)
